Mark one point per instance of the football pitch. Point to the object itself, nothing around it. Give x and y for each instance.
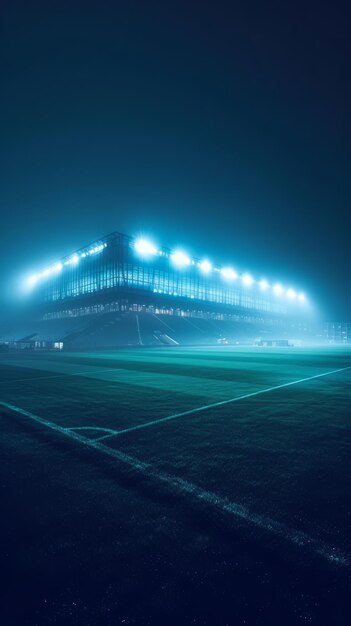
(176, 486)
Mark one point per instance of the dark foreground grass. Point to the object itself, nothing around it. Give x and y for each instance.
(238, 514)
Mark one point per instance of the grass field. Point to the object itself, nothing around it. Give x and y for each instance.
(176, 486)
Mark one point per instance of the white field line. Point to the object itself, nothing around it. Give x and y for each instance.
(184, 487)
(205, 407)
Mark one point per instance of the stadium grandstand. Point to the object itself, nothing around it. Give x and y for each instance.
(122, 290)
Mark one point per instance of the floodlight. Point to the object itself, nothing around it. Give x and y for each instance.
(145, 247)
(73, 260)
(205, 267)
(302, 297)
(278, 289)
(229, 273)
(291, 293)
(263, 284)
(247, 280)
(32, 280)
(96, 249)
(57, 267)
(180, 258)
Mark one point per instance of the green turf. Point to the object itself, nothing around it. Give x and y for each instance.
(283, 456)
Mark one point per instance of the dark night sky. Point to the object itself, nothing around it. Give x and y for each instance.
(224, 127)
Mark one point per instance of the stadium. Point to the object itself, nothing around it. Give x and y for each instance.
(182, 446)
(175, 314)
(121, 290)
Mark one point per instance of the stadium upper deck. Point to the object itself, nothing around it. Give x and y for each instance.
(121, 268)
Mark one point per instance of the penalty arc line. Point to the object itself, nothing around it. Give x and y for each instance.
(184, 487)
(206, 407)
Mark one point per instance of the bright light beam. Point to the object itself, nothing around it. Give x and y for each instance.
(205, 267)
(264, 284)
(180, 258)
(145, 247)
(229, 273)
(278, 289)
(32, 280)
(73, 260)
(247, 280)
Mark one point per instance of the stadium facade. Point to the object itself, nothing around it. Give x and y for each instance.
(122, 290)
(122, 272)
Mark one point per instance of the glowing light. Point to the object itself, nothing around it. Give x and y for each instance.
(57, 268)
(247, 280)
(264, 284)
(73, 260)
(229, 273)
(180, 258)
(278, 289)
(95, 250)
(32, 280)
(205, 267)
(145, 247)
